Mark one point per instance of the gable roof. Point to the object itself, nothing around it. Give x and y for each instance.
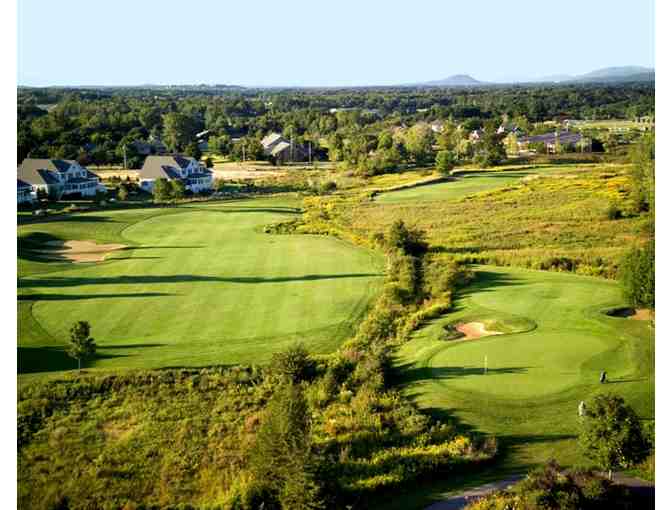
(36, 176)
(279, 147)
(563, 137)
(54, 165)
(166, 167)
(270, 139)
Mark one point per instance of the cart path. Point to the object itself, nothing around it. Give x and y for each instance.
(641, 488)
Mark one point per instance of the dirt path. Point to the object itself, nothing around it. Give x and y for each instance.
(643, 491)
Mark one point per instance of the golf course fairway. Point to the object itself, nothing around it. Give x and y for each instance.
(557, 339)
(197, 285)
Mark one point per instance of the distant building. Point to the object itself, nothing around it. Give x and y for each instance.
(195, 176)
(283, 150)
(551, 140)
(150, 147)
(58, 177)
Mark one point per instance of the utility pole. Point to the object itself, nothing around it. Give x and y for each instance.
(125, 165)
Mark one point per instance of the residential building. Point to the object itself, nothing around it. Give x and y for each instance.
(58, 177)
(283, 150)
(23, 192)
(150, 147)
(196, 177)
(551, 140)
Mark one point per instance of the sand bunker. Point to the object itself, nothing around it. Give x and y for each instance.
(78, 251)
(475, 330)
(638, 314)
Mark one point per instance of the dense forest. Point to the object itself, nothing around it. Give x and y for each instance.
(96, 126)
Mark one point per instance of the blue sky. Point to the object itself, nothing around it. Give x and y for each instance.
(315, 43)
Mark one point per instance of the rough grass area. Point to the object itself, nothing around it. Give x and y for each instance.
(556, 221)
(198, 285)
(535, 380)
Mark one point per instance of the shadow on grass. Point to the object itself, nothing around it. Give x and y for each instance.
(67, 281)
(81, 297)
(408, 374)
(241, 209)
(55, 359)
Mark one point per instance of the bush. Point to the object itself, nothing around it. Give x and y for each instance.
(614, 213)
(293, 364)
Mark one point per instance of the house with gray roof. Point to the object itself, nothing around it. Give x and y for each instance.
(58, 177)
(555, 138)
(282, 150)
(195, 176)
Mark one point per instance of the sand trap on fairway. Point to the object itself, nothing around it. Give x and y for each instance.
(638, 314)
(79, 251)
(475, 330)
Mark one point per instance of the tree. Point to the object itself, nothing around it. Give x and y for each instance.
(162, 190)
(410, 241)
(178, 130)
(177, 189)
(643, 158)
(611, 434)
(293, 364)
(192, 149)
(445, 162)
(637, 276)
(208, 162)
(282, 458)
(81, 344)
(418, 141)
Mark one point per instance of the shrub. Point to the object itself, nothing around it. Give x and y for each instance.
(614, 213)
(294, 364)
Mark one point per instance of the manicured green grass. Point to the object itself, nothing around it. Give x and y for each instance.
(198, 285)
(536, 379)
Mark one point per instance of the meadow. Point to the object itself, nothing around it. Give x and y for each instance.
(197, 285)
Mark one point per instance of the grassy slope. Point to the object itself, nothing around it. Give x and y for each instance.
(560, 214)
(536, 379)
(199, 286)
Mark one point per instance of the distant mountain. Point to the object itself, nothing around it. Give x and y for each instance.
(610, 73)
(457, 80)
(605, 75)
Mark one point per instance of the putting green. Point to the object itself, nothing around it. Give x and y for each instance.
(199, 286)
(535, 379)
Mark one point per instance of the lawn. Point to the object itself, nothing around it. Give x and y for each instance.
(535, 379)
(198, 285)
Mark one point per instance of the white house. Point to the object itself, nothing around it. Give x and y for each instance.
(195, 176)
(58, 177)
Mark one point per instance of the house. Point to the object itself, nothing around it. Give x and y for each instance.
(196, 177)
(151, 146)
(23, 192)
(551, 140)
(282, 150)
(58, 177)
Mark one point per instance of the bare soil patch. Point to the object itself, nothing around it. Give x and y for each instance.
(475, 330)
(78, 251)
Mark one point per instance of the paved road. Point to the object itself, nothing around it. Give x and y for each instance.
(644, 492)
